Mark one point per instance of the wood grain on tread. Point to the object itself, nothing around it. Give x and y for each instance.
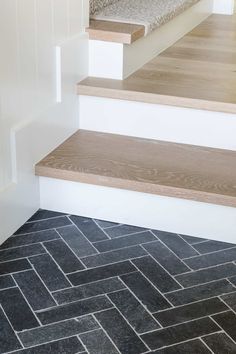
(125, 33)
(143, 165)
(199, 72)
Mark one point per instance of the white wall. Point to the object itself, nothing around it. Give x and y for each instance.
(226, 7)
(32, 122)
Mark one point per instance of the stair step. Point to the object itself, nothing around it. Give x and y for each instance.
(109, 31)
(144, 165)
(189, 74)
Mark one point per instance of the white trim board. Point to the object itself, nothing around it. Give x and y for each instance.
(161, 122)
(118, 61)
(224, 7)
(139, 209)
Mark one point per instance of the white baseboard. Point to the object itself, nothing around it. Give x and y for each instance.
(161, 122)
(118, 61)
(140, 209)
(224, 7)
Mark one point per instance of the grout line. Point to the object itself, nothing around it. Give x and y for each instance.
(53, 217)
(188, 244)
(20, 258)
(209, 253)
(28, 244)
(109, 238)
(125, 236)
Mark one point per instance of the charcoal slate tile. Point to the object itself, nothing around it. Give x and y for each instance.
(200, 292)
(114, 256)
(122, 230)
(124, 337)
(104, 224)
(145, 292)
(181, 248)
(17, 310)
(166, 258)
(14, 266)
(20, 252)
(28, 239)
(133, 311)
(75, 309)
(194, 346)
(43, 225)
(57, 331)
(70, 345)
(6, 281)
(49, 272)
(207, 275)
(64, 257)
(89, 228)
(180, 333)
(220, 343)
(212, 246)
(125, 241)
(158, 276)
(76, 240)
(88, 290)
(45, 214)
(230, 299)
(34, 290)
(8, 339)
(190, 312)
(227, 321)
(193, 240)
(108, 271)
(97, 342)
(212, 259)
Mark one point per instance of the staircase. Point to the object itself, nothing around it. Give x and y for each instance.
(156, 149)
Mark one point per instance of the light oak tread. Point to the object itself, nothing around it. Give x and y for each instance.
(199, 72)
(125, 33)
(144, 165)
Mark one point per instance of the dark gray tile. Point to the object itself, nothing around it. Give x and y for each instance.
(17, 310)
(97, 342)
(125, 241)
(45, 214)
(166, 258)
(88, 290)
(162, 280)
(193, 240)
(220, 343)
(200, 292)
(181, 248)
(28, 239)
(75, 309)
(6, 281)
(57, 331)
(48, 270)
(89, 228)
(43, 225)
(230, 300)
(212, 246)
(122, 230)
(108, 271)
(233, 280)
(145, 292)
(212, 259)
(8, 339)
(64, 257)
(76, 240)
(34, 290)
(104, 224)
(64, 346)
(180, 333)
(227, 321)
(114, 256)
(14, 266)
(207, 275)
(133, 311)
(121, 333)
(20, 252)
(190, 312)
(193, 346)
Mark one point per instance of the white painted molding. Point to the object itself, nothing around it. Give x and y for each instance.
(140, 209)
(224, 7)
(117, 61)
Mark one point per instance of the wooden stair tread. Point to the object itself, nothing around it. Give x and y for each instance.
(199, 72)
(144, 165)
(125, 33)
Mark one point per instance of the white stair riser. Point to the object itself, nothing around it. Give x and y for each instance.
(118, 61)
(140, 209)
(161, 122)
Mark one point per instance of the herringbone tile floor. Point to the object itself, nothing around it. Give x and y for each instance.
(75, 285)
